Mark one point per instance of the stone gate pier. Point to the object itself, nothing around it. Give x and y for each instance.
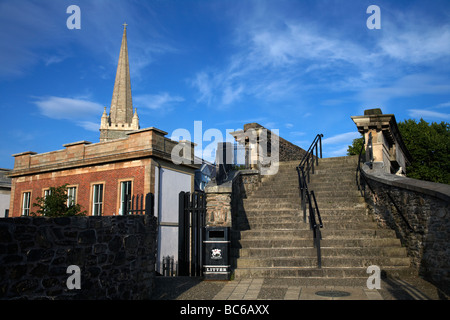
(418, 211)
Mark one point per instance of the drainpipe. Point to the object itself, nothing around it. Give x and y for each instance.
(159, 191)
(158, 214)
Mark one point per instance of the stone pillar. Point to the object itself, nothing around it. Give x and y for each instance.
(389, 152)
(218, 205)
(261, 146)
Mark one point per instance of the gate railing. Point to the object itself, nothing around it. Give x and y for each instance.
(169, 266)
(136, 203)
(191, 222)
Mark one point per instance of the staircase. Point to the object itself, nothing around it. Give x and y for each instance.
(274, 242)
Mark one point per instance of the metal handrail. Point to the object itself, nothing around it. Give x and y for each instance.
(308, 158)
(305, 166)
(303, 171)
(317, 235)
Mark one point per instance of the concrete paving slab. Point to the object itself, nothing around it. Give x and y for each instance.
(184, 288)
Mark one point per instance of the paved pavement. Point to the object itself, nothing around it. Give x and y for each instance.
(185, 288)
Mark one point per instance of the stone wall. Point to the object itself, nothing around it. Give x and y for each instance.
(224, 205)
(116, 256)
(224, 201)
(218, 207)
(287, 151)
(419, 213)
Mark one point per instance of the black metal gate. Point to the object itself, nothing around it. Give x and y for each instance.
(192, 211)
(135, 204)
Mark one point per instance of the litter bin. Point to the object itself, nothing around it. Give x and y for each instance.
(216, 253)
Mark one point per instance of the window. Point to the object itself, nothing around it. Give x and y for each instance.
(47, 192)
(71, 196)
(97, 200)
(26, 203)
(125, 197)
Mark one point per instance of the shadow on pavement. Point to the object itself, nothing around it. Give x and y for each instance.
(185, 288)
(410, 289)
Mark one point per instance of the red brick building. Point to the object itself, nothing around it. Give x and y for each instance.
(98, 175)
(127, 161)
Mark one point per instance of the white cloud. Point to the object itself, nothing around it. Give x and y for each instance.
(342, 138)
(443, 105)
(156, 101)
(33, 29)
(230, 95)
(276, 61)
(89, 125)
(299, 42)
(342, 151)
(68, 108)
(82, 112)
(415, 39)
(428, 114)
(297, 133)
(203, 84)
(337, 145)
(276, 57)
(407, 86)
(40, 30)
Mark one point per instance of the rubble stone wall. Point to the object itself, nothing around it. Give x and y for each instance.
(115, 254)
(419, 212)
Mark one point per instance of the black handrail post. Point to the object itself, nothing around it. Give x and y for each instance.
(319, 254)
(304, 170)
(320, 143)
(317, 154)
(317, 209)
(304, 194)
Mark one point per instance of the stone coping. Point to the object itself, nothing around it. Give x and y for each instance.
(227, 186)
(438, 190)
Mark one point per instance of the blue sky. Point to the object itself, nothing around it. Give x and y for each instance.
(303, 67)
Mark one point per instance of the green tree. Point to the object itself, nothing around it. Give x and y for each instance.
(429, 146)
(55, 204)
(355, 148)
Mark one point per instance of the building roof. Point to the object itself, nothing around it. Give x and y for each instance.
(5, 181)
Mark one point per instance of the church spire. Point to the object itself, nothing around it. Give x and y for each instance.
(121, 103)
(121, 119)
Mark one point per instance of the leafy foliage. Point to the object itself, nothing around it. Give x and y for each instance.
(55, 204)
(355, 148)
(429, 146)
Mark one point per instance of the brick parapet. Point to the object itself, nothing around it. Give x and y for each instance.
(138, 144)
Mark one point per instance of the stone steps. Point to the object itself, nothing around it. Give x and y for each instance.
(305, 233)
(331, 242)
(295, 193)
(327, 261)
(274, 241)
(332, 220)
(279, 202)
(300, 252)
(318, 277)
